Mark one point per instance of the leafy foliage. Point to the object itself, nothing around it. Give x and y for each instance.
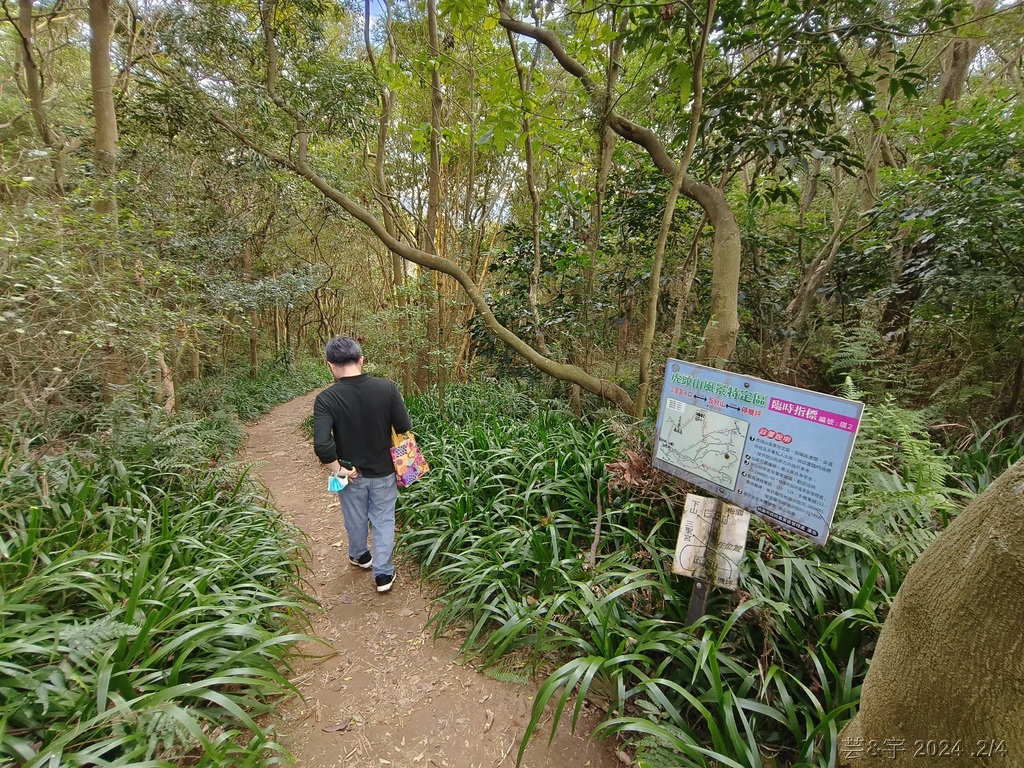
(981, 456)
(147, 603)
(212, 242)
(504, 525)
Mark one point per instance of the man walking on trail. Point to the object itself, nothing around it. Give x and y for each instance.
(352, 423)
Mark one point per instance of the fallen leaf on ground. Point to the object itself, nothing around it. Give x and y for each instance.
(337, 727)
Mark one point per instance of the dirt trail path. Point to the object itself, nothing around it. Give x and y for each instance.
(391, 695)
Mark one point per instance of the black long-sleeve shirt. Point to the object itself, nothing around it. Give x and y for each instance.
(352, 421)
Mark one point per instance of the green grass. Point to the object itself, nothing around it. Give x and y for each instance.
(985, 454)
(150, 598)
(503, 526)
(249, 398)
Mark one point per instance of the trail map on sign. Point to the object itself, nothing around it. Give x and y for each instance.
(704, 442)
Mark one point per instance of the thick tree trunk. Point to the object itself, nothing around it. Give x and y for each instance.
(947, 666)
(724, 324)
(166, 390)
(959, 53)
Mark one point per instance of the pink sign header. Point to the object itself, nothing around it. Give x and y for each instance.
(826, 418)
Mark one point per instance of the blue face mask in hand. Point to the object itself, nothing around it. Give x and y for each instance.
(335, 483)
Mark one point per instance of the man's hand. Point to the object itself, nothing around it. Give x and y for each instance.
(336, 469)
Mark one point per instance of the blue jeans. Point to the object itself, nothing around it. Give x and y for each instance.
(369, 502)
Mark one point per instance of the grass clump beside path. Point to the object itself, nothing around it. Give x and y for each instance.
(504, 525)
(249, 397)
(149, 598)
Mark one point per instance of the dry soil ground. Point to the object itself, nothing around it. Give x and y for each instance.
(388, 694)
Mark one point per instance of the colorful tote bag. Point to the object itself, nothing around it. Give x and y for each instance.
(409, 462)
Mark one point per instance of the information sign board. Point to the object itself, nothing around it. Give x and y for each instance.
(701, 544)
(775, 450)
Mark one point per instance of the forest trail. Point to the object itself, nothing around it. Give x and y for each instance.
(390, 695)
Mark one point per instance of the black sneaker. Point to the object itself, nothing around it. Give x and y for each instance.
(365, 560)
(384, 582)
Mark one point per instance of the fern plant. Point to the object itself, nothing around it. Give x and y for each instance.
(860, 353)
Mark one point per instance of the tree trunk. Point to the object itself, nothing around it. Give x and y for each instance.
(105, 151)
(947, 663)
(806, 297)
(383, 190)
(605, 152)
(254, 338)
(166, 391)
(956, 60)
(959, 53)
(432, 224)
(254, 318)
(277, 328)
(877, 144)
(679, 177)
(685, 282)
(1011, 408)
(34, 89)
(653, 297)
(724, 323)
(531, 185)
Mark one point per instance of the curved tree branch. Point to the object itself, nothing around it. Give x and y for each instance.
(723, 327)
(300, 166)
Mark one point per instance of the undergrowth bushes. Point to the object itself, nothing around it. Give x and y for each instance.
(505, 525)
(149, 593)
(980, 457)
(251, 397)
